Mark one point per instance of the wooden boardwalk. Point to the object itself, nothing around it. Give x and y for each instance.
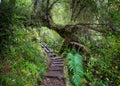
(54, 76)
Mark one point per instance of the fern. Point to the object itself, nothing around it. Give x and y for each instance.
(75, 66)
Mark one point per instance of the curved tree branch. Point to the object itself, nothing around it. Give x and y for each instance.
(81, 46)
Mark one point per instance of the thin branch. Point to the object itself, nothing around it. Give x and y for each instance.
(79, 11)
(81, 46)
(101, 24)
(50, 7)
(74, 4)
(89, 27)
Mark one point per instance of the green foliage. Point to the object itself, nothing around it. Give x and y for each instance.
(60, 13)
(51, 38)
(104, 63)
(22, 61)
(22, 5)
(22, 12)
(76, 68)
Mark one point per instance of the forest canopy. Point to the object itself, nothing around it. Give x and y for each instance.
(79, 30)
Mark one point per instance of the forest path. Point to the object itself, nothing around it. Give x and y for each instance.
(55, 75)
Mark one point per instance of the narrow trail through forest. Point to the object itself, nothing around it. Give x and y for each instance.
(55, 75)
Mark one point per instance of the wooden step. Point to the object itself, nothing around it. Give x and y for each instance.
(42, 46)
(46, 50)
(48, 82)
(52, 82)
(54, 74)
(51, 51)
(58, 62)
(54, 58)
(55, 69)
(52, 55)
(56, 65)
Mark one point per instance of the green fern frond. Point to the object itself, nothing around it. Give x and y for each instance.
(76, 67)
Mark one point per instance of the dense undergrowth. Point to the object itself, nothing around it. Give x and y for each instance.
(104, 62)
(51, 38)
(102, 68)
(22, 61)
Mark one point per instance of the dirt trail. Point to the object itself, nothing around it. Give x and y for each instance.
(54, 76)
